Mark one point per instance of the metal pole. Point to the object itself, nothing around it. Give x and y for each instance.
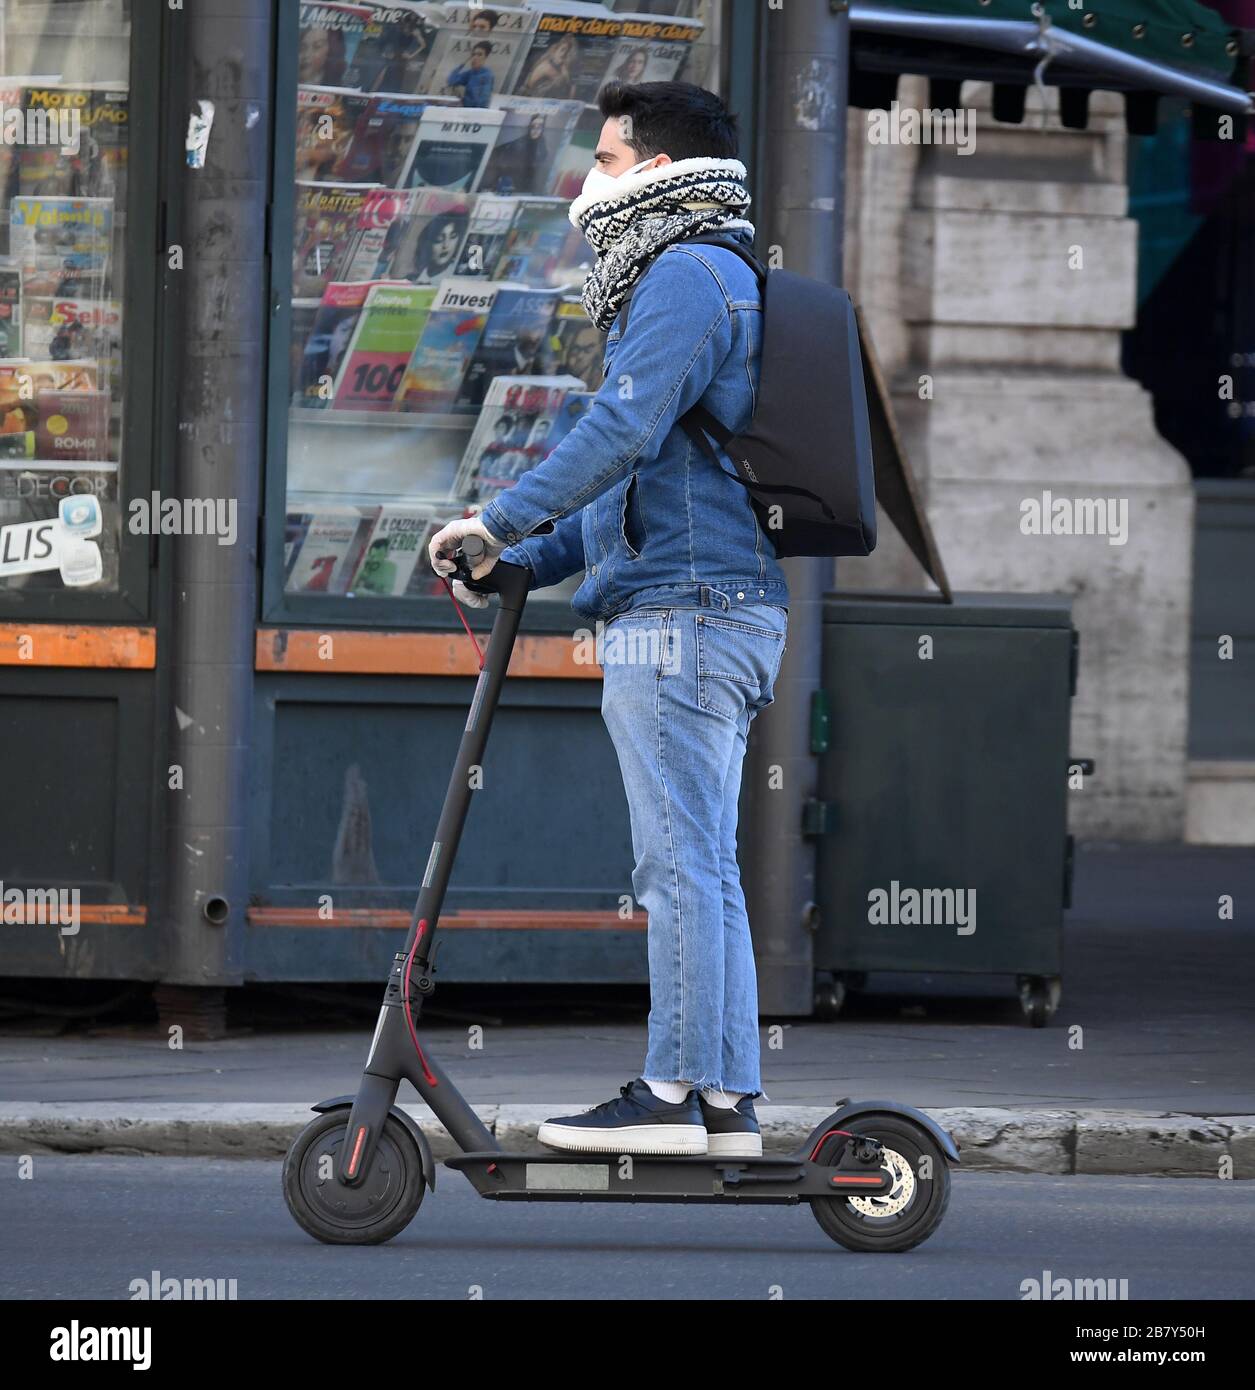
(800, 202)
(220, 229)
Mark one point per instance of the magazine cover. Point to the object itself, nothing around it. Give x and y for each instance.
(452, 148)
(325, 121)
(330, 333)
(395, 46)
(542, 248)
(295, 529)
(513, 341)
(395, 549)
(384, 134)
(301, 323)
(478, 51)
(329, 39)
(653, 48)
(576, 346)
(21, 381)
(668, 9)
(63, 328)
(72, 425)
(389, 326)
(485, 235)
(10, 156)
(330, 549)
(571, 51)
(533, 138)
(98, 168)
(423, 239)
(10, 308)
(325, 221)
(450, 336)
(62, 241)
(511, 435)
(379, 211)
(572, 165)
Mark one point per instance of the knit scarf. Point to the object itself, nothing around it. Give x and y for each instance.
(646, 213)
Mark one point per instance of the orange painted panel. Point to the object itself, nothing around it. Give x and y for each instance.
(71, 644)
(410, 654)
(522, 919)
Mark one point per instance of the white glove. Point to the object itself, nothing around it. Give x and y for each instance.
(450, 538)
(469, 596)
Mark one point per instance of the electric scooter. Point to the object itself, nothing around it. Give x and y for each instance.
(875, 1173)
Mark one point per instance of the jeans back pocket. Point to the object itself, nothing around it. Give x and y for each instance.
(737, 664)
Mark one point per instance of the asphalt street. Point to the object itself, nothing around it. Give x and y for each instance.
(84, 1228)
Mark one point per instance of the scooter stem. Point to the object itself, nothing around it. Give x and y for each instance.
(510, 583)
(394, 1052)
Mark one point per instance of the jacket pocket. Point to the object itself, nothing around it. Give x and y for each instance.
(632, 519)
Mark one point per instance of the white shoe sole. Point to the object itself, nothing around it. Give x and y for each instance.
(625, 1139)
(735, 1145)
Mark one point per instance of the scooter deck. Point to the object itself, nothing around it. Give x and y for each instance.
(595, 1177)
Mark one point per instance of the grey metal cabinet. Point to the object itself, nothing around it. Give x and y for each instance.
(945, 846)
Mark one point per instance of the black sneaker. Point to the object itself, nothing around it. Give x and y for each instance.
(731, 1133)
(636, 1122)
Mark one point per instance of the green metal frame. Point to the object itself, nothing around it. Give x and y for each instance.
(739, 62)
(1163, 25)
(140, 454)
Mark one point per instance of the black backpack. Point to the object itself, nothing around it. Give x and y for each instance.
(806, 457)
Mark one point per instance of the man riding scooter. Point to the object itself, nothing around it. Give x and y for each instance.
(672, 552)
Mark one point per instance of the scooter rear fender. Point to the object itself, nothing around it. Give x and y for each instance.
(861, 1109)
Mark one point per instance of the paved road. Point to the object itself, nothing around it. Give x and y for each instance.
(83, 1228)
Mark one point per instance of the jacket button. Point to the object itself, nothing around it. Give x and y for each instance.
(761, 593)
(593, 570)
(740, 595)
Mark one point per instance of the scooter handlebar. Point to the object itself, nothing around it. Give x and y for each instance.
(511, 582)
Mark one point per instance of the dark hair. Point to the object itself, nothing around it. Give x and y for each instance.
(674, 118)
(485, 45)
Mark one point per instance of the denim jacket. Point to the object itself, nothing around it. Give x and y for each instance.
(626, 496)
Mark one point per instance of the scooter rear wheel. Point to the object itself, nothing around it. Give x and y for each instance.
(897, 1220)
(380, 1206)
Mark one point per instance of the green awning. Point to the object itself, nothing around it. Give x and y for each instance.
(1145, 49)
(1182, 33)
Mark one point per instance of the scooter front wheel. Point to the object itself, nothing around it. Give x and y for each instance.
(903, 1217)
(380, 1206)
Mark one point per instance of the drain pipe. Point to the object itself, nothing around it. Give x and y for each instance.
(218, 223)
(800, 194)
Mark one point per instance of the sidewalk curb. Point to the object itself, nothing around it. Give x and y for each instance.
(1128, 1142)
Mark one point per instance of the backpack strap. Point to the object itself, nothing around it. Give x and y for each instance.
(728, 243)
(698, 422)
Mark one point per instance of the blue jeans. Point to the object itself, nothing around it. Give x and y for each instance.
(682, 686)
